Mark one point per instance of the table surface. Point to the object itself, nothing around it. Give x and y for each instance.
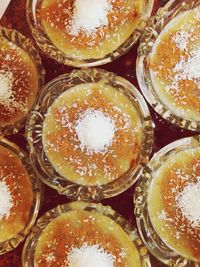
(125, 67)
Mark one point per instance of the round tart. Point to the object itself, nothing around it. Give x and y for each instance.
(87, 33)
(167, 67)
(19, 196)
(21, 75)
(172, 197)
(83, 234)
(92, 133)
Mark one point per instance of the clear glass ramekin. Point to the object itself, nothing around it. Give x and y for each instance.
(52, 51)
(39, 160)
(31, 242)
(152, 241)
(12, 243)
(26, 44)
(153, 28)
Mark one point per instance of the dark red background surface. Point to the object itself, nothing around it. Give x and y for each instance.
(125, 67)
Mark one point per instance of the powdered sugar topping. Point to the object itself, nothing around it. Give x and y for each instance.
(189, 202)
(89, 15)
(7, 96)
(95, 130)
(6, 202)
(181, 38)
(188, 68)
(6, 84)
(90, 256)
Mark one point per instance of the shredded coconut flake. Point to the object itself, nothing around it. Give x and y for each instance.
(50, 257)
(188, 69)
(89, 15)
(95, 130)
(90, 256)
(6, 202)
(181, 39)
(163, 215)
(189, 202)
(7, 96)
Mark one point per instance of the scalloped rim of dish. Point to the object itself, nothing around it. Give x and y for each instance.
(34, 136)
(12, 243)
(31, 242)
(149, 36)
(26, 44)
(157, 247)
(47, 46)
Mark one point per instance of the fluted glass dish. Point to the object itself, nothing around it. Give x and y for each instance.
(57, 49)
(164, 245)
(36, 134)
(20, 63)
(86, 211)
(167, 39)
(20, 158)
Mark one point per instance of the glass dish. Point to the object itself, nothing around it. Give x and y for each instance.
(52, 51)
(151, 239)
(34, 128)
(31, 243)
(152, 31)
(22, 42)
(36, 188)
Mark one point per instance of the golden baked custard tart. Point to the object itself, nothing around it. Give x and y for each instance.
(79, 237)
(80, 32)
(89, 29)
(18, 196)
(92, 134)
(19, 78)
(174, 202)
(174, 62)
